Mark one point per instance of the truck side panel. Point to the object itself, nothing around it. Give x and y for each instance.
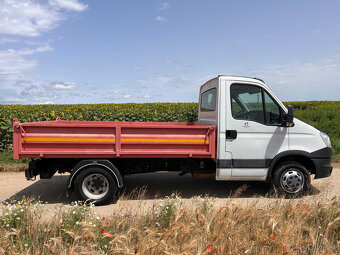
(90, 139)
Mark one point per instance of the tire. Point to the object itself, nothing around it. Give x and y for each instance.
(96, 185)
(291, 179)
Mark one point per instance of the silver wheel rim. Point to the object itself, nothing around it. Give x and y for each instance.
(95, 186)
(292, 181)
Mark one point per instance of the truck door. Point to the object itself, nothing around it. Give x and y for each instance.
(254, 131)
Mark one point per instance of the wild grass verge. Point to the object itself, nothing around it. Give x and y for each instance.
(172, 227)
(8, 164)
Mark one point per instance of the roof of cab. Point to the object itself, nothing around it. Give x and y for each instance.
(237, 78)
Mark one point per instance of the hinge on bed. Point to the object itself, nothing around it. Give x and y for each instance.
(208, 133)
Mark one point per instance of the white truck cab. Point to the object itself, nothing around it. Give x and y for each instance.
(258, 138)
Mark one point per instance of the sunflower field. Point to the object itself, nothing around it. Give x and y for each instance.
(148, 112)
(324, 115)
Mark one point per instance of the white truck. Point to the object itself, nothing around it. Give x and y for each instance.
(258, 138)
(243, 132)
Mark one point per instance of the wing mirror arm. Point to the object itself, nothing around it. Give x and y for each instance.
(288, 118)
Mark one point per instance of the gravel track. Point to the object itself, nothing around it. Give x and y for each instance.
(151, 188)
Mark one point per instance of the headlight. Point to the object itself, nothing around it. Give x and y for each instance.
(326, 139)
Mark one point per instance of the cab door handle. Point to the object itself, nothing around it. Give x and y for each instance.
(230, 134)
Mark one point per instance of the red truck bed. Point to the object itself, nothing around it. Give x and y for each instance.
(106, 139)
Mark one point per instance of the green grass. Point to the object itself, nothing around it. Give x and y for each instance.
(6, 157)
(8, 164)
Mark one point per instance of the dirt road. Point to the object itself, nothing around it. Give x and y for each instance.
(157, 186)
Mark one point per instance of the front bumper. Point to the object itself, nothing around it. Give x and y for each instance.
(322, 161)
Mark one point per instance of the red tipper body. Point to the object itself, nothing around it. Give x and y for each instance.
(106, 139)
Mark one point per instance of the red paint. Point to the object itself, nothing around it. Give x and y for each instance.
(113, 130)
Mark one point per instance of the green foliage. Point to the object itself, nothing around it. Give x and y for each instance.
(14, 214)
(324, 115)
(165, 211)
(7, 157)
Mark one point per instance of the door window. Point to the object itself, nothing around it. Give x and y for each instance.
(249, 102)
(273, 112)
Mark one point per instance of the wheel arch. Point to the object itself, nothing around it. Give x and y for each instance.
(303, 157)
(102, 163)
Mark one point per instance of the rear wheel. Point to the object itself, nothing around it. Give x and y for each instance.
(291, 179)
(96, 185)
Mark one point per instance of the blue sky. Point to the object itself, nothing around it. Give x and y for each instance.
(110, 51)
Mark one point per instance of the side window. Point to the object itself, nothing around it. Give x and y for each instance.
(247, 102)
(208, 100)
(273, 113)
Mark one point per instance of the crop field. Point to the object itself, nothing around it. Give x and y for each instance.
(324, 115)
(172, 227)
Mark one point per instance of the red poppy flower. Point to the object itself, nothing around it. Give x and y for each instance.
(103, 231)
(272, 237)
(209, 249)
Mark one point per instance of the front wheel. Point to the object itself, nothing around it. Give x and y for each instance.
(291, 179)
(95, 185)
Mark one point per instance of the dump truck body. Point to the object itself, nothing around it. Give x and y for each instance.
(106, 139)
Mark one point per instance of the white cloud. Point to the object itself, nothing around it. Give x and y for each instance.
(47, 102)
(127, 96)
(15, 101)
(71, 5)
(317, 80)
(164, 6)
(63, 85)
(35, 43)
(30, 51)
(14, 65)
(168, 61)
(147, 96)
(161, 18)
(31, 17)
(9, 40)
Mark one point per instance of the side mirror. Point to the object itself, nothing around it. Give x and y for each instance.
(289, 117)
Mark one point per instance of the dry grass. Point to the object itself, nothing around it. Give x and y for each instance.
(13, 167)
(336, 158)
(171, 227)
